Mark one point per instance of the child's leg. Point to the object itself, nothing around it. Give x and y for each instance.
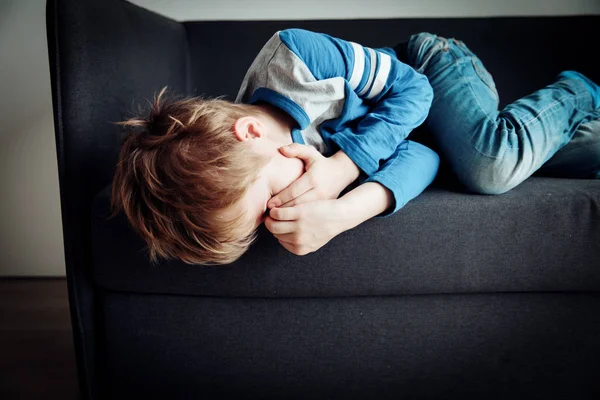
(580, 158)
(492, 151)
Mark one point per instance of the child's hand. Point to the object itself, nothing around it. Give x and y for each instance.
(324, 179)
(307, 227)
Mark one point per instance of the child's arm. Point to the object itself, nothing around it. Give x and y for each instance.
(307, 227)
(308, 67)
(406, 174)
(397, 97)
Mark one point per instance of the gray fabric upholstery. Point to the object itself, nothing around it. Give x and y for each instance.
(500, 346)
(542, 236)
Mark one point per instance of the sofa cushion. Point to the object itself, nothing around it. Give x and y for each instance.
(543, 235)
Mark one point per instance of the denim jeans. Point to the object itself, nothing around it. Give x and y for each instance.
(555, 130)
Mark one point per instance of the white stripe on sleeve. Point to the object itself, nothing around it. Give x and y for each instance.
(359, 65)
(385, 64)
(373, 58)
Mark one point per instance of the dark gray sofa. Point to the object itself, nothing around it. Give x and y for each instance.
(456, 296)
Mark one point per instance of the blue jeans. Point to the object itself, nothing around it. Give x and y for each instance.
(555, 130)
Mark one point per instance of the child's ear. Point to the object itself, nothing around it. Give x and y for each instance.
(246, 128)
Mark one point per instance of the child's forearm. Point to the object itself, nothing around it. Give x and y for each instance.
(365, 202)
(307, 227)
(349, 169)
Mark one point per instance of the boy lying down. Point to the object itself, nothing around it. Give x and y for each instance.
(317, 115)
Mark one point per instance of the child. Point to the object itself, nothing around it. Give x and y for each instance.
(195, 176)
(356, 106)
(555, 130)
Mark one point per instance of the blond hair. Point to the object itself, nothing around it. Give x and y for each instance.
(181, 176)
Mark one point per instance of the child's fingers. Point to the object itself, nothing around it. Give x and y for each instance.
(307, 153)
(307, 197)
(296, 189)
(279, 227)
(284, 214)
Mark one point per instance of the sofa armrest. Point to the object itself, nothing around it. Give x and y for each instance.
(103, 54)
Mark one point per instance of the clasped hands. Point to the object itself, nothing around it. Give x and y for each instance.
(308, 214)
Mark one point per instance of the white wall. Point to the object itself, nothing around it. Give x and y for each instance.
(30, 224)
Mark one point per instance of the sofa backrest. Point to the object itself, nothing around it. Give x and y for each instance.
(523, 54)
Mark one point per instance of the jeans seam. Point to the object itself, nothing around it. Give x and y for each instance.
(469, 59)
(479, 73)
(556, 102)
(467, 53)
(570, 143)
(524, 127)
(444, 48)
(486, 115)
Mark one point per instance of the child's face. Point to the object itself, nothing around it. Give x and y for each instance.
(265, 135)
(278, 174)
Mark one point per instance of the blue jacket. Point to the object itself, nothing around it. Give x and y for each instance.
(346, 96)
